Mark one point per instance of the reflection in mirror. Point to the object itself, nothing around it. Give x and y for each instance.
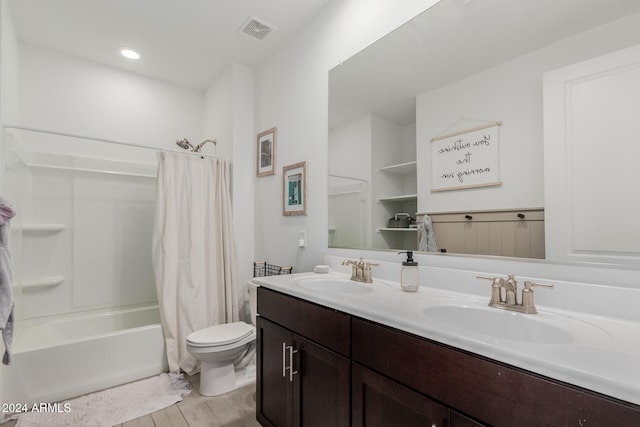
(458, 66)
(349, 204)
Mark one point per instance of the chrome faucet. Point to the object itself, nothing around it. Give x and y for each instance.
(510, 301)
(360, 270)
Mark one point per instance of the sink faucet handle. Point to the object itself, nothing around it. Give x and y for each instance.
(366, 271)
(528, 304)
(497, 283)
(528, 285)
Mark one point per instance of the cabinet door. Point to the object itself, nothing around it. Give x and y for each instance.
(274, 397)
(459, 420)
(378, 401)
(321, 386)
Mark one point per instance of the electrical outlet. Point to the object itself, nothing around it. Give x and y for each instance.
(302, 239)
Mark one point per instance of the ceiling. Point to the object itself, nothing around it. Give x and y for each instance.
(184, 42)
(450, 41)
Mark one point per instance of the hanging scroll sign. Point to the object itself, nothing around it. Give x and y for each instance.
(466, 159)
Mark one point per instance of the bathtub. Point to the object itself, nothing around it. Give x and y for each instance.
(60, 358)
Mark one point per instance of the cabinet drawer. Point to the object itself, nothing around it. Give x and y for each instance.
(327, 327)
(492, 392)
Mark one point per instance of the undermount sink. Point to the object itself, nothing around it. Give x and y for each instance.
(503, 324)
(335, 285)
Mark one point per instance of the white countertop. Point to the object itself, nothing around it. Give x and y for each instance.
(602, 354)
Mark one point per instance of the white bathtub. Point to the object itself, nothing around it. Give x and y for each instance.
(68, 356)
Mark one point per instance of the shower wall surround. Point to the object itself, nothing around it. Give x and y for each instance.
(85, 224)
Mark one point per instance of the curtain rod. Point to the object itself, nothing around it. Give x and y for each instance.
(91, 138)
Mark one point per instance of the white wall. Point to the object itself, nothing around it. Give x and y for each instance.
(511, 93)
(238, 116)
(350, 201)
(61, 92)
(292, 95)
(350, 149)
(8, 67)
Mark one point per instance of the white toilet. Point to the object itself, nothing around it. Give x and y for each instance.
(226, 352)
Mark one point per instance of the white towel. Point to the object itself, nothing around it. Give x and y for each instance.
(427, 241)
(6, 275)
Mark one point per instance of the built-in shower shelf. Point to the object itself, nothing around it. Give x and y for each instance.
(43, 282)
(78, 163)
(49, 228)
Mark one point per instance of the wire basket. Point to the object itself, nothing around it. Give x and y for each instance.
(263, 268)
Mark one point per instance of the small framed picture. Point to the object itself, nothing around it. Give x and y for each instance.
(294, 189)
(267, 152)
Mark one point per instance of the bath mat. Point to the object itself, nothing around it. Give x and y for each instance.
(111, 406)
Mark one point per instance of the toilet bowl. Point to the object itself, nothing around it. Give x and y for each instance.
(226, 352)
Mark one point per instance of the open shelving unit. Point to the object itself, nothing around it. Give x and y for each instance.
(401, 177)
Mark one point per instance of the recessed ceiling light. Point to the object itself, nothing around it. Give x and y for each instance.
(129, 53)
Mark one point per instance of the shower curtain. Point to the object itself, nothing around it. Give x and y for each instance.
(194, 257)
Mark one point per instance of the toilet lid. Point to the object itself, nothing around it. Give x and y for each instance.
(226, 333)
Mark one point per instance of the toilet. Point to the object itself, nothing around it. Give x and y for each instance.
(226, 352)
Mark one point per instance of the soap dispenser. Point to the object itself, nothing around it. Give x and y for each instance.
(409, 276)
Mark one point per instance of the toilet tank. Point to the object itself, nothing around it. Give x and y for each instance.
(253, 300)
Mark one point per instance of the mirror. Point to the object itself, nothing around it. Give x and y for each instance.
(460, 65)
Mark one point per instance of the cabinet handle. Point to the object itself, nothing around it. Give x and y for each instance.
(290, 367)
(284, 362)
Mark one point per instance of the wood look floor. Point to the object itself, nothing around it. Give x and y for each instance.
(234, 409)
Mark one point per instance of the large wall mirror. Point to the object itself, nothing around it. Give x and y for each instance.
(483, 65)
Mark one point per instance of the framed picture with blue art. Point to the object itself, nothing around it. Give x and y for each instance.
(267, 152)
(294, 189)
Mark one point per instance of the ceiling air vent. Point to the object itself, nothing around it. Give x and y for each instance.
(256, 28)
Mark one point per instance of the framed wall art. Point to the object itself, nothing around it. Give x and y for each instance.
(294, 189)
(266, 164)
(466, 159)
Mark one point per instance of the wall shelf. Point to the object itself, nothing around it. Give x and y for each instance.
(407, 168)
(402, 198)
(43, 282)
(397, 229)
(49, 228)
(76, 163)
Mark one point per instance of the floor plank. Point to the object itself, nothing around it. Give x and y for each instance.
(169, 417)
(200, 415)
(146, 421)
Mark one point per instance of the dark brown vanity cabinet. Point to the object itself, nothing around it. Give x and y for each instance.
(302, 363)
(320, 367)
(494, 393)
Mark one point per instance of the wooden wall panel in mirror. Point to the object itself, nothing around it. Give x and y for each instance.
(456, 66)
(511, 233)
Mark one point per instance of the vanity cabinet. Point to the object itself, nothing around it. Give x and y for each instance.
(492, 392)
(355, 372)
(302, 363)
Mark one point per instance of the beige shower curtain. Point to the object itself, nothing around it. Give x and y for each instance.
(194, 257)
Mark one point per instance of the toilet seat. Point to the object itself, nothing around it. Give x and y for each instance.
(220, 335)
